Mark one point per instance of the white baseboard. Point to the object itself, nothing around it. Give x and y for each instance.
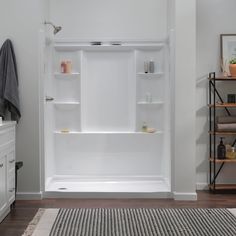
(202, 186)
(29, 196)
(185, 196)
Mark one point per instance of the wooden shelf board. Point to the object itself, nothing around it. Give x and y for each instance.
(223, 186)
(223, 132)
(223, 160)
(223, 78)
(223, 105)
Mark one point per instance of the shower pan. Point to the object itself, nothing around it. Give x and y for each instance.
(107, 120)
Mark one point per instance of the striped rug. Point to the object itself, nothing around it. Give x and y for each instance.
(144, 222)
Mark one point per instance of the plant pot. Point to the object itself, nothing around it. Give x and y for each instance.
(232, 69)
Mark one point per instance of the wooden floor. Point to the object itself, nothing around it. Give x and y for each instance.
(16, 222)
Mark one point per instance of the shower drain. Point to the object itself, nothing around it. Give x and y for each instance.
(62, 188)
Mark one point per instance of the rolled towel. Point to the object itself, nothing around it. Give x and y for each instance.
(226, 127)
(226, 119)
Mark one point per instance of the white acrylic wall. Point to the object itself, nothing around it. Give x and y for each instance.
(108, 91)
(214, 17)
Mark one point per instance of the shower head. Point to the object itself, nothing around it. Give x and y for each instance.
(56, 28)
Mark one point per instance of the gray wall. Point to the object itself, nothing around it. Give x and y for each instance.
(214, 17)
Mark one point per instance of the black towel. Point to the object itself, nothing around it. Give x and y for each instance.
(9, 97)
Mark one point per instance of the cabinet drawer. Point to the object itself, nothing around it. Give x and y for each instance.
(7, 135)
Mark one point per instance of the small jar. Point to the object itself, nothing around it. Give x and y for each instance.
(144, 127)
(68, 67)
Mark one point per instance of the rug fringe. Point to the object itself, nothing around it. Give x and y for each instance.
(33, 223)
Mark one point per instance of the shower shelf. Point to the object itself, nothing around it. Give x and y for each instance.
(107, 46)
(149, 103)
(66, 75)
(66, 103)
(150, 75)
(105, 132)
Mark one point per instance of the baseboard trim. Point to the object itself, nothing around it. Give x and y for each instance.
(185, 196)
(29, 196)
(202, 186)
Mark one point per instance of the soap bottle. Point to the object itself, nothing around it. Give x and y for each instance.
(144, 127)
(151, 66)
(221, 150)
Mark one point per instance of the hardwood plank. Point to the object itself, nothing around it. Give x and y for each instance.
(16, 222)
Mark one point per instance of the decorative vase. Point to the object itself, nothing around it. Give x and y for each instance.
(232, 69)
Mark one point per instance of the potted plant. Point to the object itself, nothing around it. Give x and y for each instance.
(232, 67)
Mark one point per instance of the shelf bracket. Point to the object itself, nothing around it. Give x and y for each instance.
(216, 91)
(221, 166)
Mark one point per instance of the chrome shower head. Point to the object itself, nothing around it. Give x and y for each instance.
(56, 28)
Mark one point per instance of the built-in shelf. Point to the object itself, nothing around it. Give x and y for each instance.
(149, 75)
(223, 160)
(106, 132)
(107, 46)
(149, 103)
(73, 75)
(66, 103)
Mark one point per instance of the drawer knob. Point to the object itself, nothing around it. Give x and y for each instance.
(12, 190)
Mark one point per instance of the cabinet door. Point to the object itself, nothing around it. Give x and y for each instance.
(3, 185)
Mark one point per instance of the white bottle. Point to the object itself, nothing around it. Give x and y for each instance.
(151, 67)
(146, 66)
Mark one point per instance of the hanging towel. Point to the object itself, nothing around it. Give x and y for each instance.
(9, 97)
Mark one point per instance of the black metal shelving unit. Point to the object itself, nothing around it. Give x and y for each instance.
(216, 165)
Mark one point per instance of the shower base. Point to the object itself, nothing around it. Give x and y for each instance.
(91, 188)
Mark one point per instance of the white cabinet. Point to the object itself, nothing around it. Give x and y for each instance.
(3, 185)
(7, 167)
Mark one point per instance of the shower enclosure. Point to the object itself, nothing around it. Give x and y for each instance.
(107, 123)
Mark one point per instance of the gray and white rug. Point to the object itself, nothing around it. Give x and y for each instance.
(133, 222)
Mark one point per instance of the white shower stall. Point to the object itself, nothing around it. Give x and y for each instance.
(107, 123)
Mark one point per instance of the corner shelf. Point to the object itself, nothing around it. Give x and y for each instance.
(150, 103)
(155, 75)
(73, 75)
(66, 103)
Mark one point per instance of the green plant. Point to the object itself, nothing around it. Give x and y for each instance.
(232, 61)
